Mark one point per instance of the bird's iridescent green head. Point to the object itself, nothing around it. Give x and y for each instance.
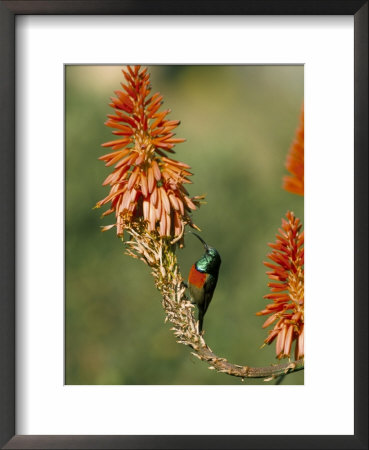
(210, 261)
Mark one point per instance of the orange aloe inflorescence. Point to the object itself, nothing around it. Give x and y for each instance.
(145, 184)
(287, 289)
(295, 162)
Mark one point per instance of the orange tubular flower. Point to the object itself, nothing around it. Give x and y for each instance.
(287, 289)
(295, 162)
(145, 183)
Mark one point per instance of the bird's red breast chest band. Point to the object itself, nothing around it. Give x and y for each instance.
(197, 278)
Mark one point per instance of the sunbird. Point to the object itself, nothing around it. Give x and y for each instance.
(203, 278)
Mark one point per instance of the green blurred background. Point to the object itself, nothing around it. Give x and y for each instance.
(239, 122)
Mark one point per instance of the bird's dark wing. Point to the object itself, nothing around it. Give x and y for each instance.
(209, 288)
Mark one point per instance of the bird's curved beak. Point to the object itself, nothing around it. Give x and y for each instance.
(201, 239)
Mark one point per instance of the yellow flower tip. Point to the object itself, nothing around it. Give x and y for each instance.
(107, 227)
(195, 227)
(269, 379)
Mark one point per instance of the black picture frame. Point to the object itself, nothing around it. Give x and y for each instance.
(8, 12)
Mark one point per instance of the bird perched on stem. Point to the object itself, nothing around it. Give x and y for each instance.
(203, 278)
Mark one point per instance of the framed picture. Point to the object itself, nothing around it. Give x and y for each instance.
(78, 370)
(239, 217)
